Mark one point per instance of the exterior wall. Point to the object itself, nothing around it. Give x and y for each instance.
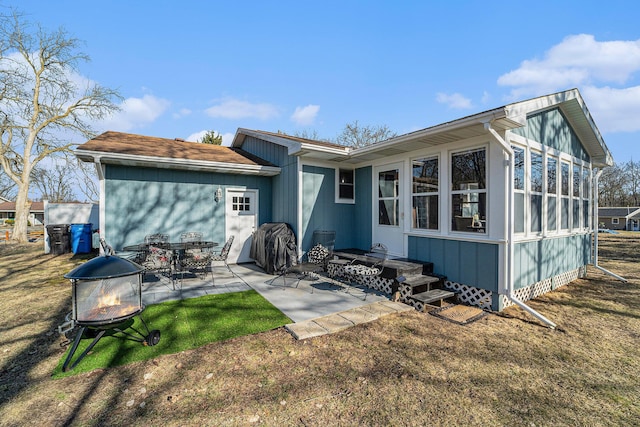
(363, 209)
(284, 199)
(552, 129)
(538, 260)
(608, 223)
(141, 201)
(351, 222)
(470, 263)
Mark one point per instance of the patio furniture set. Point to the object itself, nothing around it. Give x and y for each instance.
(406, 281)
(191, 255)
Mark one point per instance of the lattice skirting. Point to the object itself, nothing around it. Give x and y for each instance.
(544, 286)
(470, 295)
(374, 282)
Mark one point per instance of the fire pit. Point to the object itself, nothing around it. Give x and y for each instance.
(106, 294)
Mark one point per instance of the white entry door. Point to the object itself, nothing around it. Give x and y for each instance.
(389, 225)
(241, 222)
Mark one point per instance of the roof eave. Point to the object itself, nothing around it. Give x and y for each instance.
(172, 163)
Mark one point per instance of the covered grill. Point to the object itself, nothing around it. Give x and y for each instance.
(106, 293)
(274, 247)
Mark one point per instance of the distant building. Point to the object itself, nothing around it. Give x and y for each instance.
(627, 218)
(36, 214)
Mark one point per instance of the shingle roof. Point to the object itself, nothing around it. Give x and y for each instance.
(302, 140)
(616, 212)
(11, 207)
(149, 146)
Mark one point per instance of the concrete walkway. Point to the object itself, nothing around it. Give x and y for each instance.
(316, 307)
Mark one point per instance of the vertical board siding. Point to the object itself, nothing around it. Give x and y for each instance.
(319, 210)
(543, 259)
(285, 188)
(141, 201)
(552, 129)
(469, 263)
(363, 209)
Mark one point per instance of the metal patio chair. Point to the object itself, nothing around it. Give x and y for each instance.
(315, 262)
(224, 254)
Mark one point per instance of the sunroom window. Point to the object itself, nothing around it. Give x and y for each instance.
(536, 192)
(469, 191)
(425, 193)
(552, 193)
(564, 195)
(518, 186)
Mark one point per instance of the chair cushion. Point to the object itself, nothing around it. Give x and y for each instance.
(318, 254)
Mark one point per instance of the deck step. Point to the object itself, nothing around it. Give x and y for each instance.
(420, 283)
(434, 295)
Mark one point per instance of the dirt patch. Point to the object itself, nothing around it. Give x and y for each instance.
(406, 369)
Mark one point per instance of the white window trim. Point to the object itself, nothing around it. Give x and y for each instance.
(615, 221)
(451, 192)
(437, 193)
(337, 186)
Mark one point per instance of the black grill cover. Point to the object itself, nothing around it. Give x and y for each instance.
(274, 247)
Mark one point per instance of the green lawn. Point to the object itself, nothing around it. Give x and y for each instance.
(183, 325)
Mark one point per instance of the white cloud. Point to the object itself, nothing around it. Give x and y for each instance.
(227, 138)
(577, 60)
(454, 100)
(615, 110)
(137, 112)
(230, 108)
(595, 68)
(184, 112)
(304, 116)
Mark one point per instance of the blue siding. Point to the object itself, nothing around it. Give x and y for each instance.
(469, 263)
(543, 259)
(285, 188)
(363, 228)
(141, 201)
(319, 210)
(552, 129)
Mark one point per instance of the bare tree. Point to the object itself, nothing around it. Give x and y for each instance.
(42, 98)
(7, 187)
(53, 182)
(355, 135)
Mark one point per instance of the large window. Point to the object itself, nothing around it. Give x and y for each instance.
(577, 183)
(469, 191)
(552, 193)
(536, 192)
(425, 193)
(586, 192)
(518, 185)
(564, 195)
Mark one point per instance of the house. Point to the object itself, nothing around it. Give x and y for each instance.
(498, 201)
(619, 218)
(36, 213)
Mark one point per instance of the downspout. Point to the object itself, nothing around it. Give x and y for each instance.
(97, 161)
(509, 229)
(597, 226)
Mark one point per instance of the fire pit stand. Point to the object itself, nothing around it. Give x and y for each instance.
(107, 295)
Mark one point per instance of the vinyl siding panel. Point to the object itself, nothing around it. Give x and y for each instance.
(543, 259)
(319, 210)
(469, 263)
(285, 188)
(141, 201)
(552, 129)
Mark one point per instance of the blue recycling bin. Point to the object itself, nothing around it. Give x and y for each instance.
(80, 238)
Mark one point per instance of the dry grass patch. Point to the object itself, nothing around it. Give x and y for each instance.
(407, 369)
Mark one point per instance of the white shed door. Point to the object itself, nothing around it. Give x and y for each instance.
(241, 222)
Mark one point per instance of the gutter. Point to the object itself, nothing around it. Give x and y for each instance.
(595, 234)
(509, 229)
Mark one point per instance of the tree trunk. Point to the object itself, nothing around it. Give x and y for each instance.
(23, 207)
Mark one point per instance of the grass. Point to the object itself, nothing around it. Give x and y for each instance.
(184, 325)
(407, 369)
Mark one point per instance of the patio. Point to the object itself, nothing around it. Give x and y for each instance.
(310, 305)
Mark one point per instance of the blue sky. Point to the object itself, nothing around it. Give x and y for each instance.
(190, 66)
